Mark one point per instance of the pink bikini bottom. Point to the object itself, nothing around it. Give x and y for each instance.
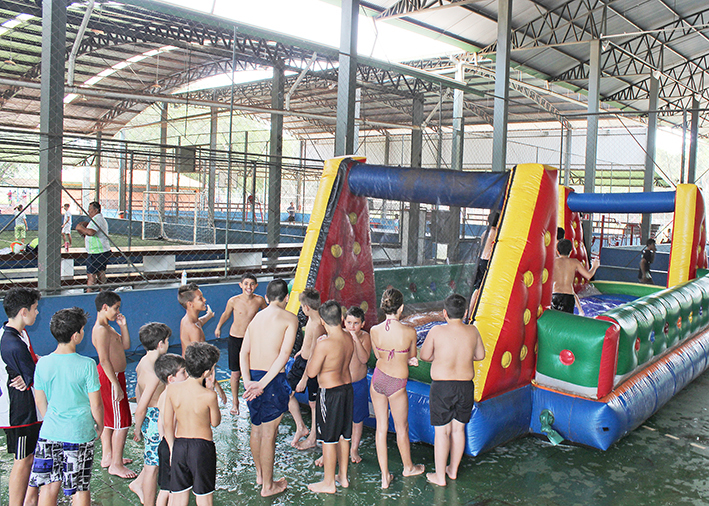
(387, 385)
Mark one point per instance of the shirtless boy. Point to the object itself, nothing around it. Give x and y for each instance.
(297, 379)
(169, 368)
(565, 269)
(191, 410)
(331, 364)
(452, 348)
(354, 319)
(111, 346)
(192, 299)
(155, 338)
(268, 343)
(243, 306)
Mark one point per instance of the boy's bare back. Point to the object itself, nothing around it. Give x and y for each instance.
(453, 347)
(244, 308)
(190, 332)
(195, 408)
(331, 358)
(565, 269)
(267, 331)
(312, 331)
(107, 340)
(148, 381)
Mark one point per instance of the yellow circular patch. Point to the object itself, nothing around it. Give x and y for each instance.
(356, 248)
(540, 310)
(576, 244)
(690, 317)
(364, 306)
(528, 278)
(359, 277)
(547, 238)
(339, 283)
(545, 276)
(523, 352)
(506, 359)
(527, 316)
(336, 250)
(353, 218)
(573, 224)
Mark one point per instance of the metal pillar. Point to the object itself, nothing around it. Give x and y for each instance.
(51, 129)
(163, 160)
(276, 153)
(346, 79)
(594, 84)
(649, 175)
(452, 228)
(122, 160)
(411, 248)
(212, 179)
(694, 132)
(567, 157)
(502, 88)
(97, 168)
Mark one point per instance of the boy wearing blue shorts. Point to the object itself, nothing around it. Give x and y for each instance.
(354, 319)
(67, 392)
(155, 339)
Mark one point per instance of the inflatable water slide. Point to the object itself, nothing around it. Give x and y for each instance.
(586, 380)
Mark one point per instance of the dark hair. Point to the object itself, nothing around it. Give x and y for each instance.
(200, 357)
(560, 233)
(493, 218)
(392, 300)
(108, 297)
(277, 290)
(455, 306)
(153, 333)
(167, 365)
(331, 312)
(355, 311)
(67, 322)
(249, 275)
(186, 293)
(650, 242)
(18, 298)
(310, 297)
(564, 247)
(95, 205)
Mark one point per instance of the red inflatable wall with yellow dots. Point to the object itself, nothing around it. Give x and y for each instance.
(570, 221)
(689, 236)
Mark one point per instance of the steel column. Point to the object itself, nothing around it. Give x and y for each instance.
(502, 85)
(411, 248)
(276, 154)
(212, 178)
(694, 132)
(346, 79)
(649, 175)
(594, 83)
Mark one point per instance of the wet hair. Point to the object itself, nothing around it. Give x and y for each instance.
(95, 205)
(310, 297)
(108, 297)
(186, 293)
(66, 205)
(167, 365)
(560, 233)
(277, 290)
(493, 218)
(564, 247)
(392, 300)
(356, 312)
(331, 313)
(18, 298)
(67, 322)
(650, 242)
(249, 275)
(200, 357)
(455, 306)
(153, 333)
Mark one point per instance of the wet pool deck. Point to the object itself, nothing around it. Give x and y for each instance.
(663, 462)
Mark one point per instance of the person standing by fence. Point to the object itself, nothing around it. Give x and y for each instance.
(95, 233)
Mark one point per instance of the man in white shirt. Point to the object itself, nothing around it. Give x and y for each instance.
(66, 227)
(98, 247)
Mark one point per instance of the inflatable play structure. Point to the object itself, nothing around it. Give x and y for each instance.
(586, 380)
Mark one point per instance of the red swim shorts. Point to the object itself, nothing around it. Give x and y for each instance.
(116, 414)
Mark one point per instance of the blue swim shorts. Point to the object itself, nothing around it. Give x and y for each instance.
(273, 402)
(361, 400)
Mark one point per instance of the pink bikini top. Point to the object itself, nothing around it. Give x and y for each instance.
(389, 352)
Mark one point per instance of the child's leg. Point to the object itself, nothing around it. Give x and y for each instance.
(117, 467)
(267, 454)
(150, 484)
(457, 448)
(381, 413)
(343, 456)
(399, 403)
(327, 486)
(136, 486)
(356, 438)
(300, 429)
(204, 500)
(19, 478)
(48, 493)
(81, 499)
(310, 441)
(163, 497)
(441, 448)
(234, 382)
(255, 443)
(180, 498)
(106, 439)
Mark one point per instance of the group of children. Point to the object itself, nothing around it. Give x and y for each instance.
(60, 403)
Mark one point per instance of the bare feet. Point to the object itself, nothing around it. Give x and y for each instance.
(318, 462)
(322, 488)
(344, 483)
(259, 479)
(121, 472)
(137, 489)
(355, 457)
(387, 481)
(308, 443)
(433, 478)
(234, 409)
(414, 471)
(106, 460)
(300, 432)
(450, 473)
(278, 487)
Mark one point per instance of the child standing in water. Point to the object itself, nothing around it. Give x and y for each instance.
(354, 320)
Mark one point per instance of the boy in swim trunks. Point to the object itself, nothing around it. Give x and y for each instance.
(68, 395)
(297, 379)
(565, 269)
(155, 338)
(192, 299)
(451, 348)
(268, 343)
(354, 319)
(169, 368)
(191, 410)
(331, 364)
(243, 306)
(111, 346)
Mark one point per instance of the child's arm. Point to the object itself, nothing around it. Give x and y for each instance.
(224, 317)
(316, 360)
(362, 349)
(97, 410)
(479, 347)
(428, 346)
(413, 361)
(215, 416)
(245, 359)
(208, 316)
(256, 387)
(169, 420)
(103, 346)
(220, 391)
(40, 400)
(143, 402)
(123, 325)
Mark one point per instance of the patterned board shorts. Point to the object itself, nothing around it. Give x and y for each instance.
(151, 436)
(69, 463)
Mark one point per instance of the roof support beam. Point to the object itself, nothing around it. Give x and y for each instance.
(649, 176)
(502, 85)
(594, 83)
(346, 79)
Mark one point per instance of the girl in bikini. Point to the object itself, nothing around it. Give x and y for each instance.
(394, 346)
